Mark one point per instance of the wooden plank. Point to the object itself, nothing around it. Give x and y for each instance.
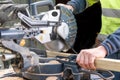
(101, 63)
(108, 64)
(54, 54)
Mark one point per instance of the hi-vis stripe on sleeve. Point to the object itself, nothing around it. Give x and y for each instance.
(115, 13)
(91, 2)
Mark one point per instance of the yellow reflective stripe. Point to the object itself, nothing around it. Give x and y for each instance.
(110, 16)
(91, 2)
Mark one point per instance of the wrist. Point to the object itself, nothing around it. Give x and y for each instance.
(102, 50)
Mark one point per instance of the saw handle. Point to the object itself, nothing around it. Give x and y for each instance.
(34, 6)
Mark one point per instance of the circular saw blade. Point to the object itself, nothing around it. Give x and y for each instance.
(55, 45)
(67, 43)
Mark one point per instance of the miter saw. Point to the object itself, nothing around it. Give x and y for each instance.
(56, 29)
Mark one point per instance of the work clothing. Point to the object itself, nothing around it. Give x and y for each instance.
(112, 45)
(89, 25)
(87, 29)
(110, 16)
(114, 41)
(110, 23)
(80, 5)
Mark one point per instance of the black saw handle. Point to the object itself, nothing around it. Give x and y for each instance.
(34, 6)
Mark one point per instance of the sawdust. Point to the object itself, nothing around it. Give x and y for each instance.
(8, 71)
(54, 62)
(52, 78)
(2, 72)
(12, 78)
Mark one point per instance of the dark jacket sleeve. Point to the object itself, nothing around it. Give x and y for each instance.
(112, 43)
(79, 5)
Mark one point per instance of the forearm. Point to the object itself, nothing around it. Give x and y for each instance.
(112, 43)
(80, 5)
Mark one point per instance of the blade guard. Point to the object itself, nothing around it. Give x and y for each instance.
(67, 31)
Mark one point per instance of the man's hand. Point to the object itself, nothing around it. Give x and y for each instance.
(67, 6)
(86, 57)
